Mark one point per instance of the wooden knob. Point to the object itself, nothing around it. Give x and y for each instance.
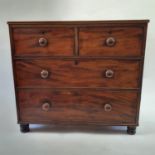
(107, 107)
(109, 73)
(46, 106)
(110, 41)
(44, 74)
(43, 42)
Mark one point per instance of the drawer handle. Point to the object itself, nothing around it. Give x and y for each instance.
(43, 42)
(109, 73)
(110, 41)
(107, 107)
(44, 74)
(46, 106)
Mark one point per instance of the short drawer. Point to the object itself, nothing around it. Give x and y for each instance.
(77, 106)
(43, 41)
(49, 73)
(111, 41)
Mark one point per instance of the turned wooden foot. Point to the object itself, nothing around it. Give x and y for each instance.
(131, 130)
(24, 128)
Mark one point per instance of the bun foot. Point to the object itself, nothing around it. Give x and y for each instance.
(24, 128)
(131, 130)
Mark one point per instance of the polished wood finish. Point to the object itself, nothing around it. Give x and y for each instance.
(60, 41)
(84, 106)
(86, 74)
(79, 72)
(111, 41)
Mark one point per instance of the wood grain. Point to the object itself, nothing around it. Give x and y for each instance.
(85, 74)
(60, 41)
(92, 41)
(77, 57)
(77, 106)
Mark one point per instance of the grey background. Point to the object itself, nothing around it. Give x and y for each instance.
(51, 140)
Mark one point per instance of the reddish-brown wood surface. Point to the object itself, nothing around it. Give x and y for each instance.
(60, 41)
(76, 57)
(85, 106)
(84, 74)
(92, 41)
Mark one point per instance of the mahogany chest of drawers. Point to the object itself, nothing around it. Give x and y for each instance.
(78, 73)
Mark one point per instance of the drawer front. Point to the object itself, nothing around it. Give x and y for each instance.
(73, 106)
(110, 41)
(87, 73)
(43, 41)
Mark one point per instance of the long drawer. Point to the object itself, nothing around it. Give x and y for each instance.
(48, 73)
(77, 106)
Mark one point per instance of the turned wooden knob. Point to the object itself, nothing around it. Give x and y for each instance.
(43, 42)
(110, 41)
(107, 107)
(46, 106)
(109, 73)
(44, 74)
